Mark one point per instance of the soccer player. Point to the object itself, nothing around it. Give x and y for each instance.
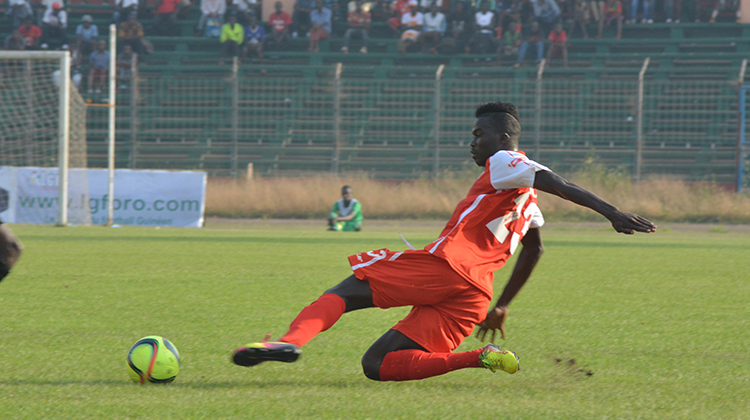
(449, 282)
(346, 214)
(10, 250)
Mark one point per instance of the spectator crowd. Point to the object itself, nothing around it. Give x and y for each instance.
(507, 29)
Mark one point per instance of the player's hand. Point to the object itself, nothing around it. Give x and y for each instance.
(629, 223)
(494, 321)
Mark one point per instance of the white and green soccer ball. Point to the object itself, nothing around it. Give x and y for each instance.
(153, 359)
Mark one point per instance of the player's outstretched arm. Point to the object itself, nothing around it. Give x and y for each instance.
(622, 222)
(530, 253)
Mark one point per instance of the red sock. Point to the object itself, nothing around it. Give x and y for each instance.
(406, 365)
(315, 318)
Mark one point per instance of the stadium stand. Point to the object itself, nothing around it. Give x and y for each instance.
(288, 120)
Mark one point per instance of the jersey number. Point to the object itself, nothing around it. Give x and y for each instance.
(499, 226)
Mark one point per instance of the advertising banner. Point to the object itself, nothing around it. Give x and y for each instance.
(142, 197)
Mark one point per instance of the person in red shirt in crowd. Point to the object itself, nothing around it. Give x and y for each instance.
(399, 8)
(165, 21)
(449, 282)
(558, 43)
(280, 22)
(359, 23)
(30, 33)
(612, 14)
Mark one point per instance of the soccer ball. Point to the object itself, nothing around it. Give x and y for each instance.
(153, 359)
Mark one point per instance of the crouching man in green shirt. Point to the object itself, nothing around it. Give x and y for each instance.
(346, 214)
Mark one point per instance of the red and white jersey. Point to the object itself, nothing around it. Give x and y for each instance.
(487, 225)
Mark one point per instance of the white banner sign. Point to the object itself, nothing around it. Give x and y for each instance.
(142, 197)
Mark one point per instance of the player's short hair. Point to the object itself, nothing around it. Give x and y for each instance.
(345, 187)
(504, 116)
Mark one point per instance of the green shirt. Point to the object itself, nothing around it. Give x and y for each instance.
(236, 34)
(343, 211)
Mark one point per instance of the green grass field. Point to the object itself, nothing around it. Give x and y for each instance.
(610, 326)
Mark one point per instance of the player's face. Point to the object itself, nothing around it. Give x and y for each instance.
(346, 194)
(486, 142)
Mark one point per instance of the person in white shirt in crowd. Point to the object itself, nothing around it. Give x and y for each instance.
(411, 25)
(433, 30)
(54, 24)
(86, 34)
(484, 32)
(213, 9)
(123, 9)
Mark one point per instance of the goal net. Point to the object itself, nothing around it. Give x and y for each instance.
(42, 141)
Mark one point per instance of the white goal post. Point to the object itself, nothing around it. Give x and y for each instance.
(30, 84)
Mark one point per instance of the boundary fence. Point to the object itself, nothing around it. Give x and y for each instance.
(414, 127)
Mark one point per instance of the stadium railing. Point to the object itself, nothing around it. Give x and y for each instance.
(282, 124)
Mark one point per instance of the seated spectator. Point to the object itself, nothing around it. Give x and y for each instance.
(14, 42)
(131, 34)
(232, 35)
(359, 24)
(346, 214)
(595, 10)
(457, 35)
(411, 25)
(484, 32)
(580, 17)
(98, 68)
(280, 22)
(612, 14)
(400, 7)
(547, 14)
(212, 10)
(491, 4)
(434, 28)
(728, 5)
(510, 43)
(301, 17)
(333, 6)
(244, 9)
(31, 34)
(648, 10)
(123, 9)
(165, 19)
(86, 34)
(673, 10)
(507, 12)
(558, 43)
(531, 35)
(255, 36)
(526, 12)
(124, 67)
(426, 5)
(18, 11)
(54, 23)
(320, 18)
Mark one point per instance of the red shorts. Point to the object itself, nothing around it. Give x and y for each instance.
(445, 306)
